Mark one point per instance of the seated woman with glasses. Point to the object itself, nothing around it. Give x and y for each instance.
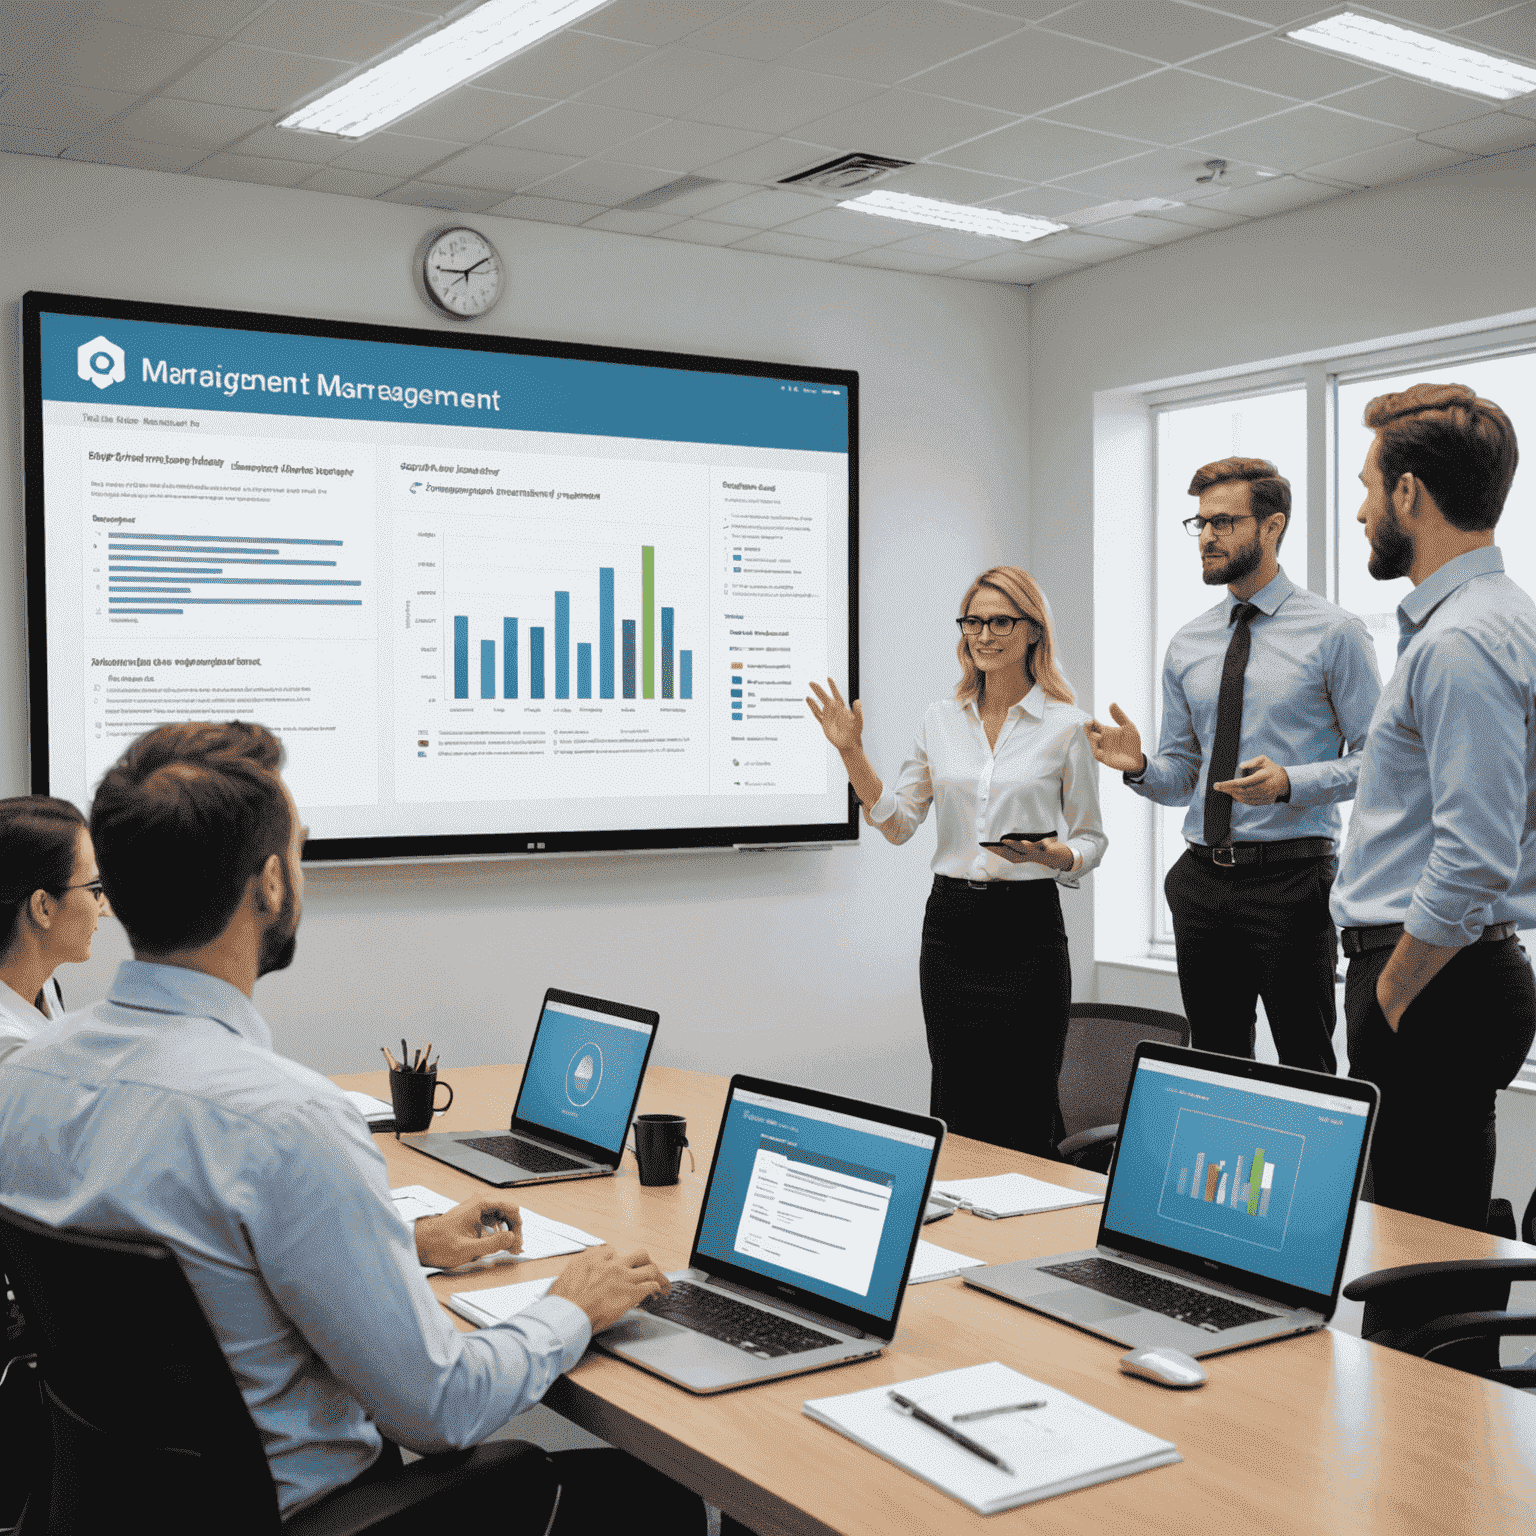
(1006, 763)
(50, 902)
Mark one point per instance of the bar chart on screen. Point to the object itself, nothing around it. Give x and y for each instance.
(1231, 1176)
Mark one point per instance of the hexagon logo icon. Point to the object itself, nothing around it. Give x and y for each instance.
(101, 361)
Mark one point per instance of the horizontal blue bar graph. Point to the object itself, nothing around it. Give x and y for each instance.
(221, 538)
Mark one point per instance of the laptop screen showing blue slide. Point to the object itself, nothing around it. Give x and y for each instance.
(1254, 1174)
(824, 1200)
(583, 1073)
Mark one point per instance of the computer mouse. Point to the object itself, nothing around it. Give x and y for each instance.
(1167, 1367)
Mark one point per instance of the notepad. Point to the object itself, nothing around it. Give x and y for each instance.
(1010, 1194)
(931, 1262)
(371, 1109)
(543, 1237)
(496, 1303)
(1061, 1447)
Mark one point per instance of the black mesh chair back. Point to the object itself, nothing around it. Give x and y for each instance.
(1096, 1068)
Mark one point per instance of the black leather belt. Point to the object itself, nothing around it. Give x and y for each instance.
(1356, 941)
(1284, 852)
(951, 883)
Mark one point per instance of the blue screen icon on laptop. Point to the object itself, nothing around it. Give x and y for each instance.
(582, 1073)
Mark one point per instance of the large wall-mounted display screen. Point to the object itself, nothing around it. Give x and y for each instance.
(496, 596)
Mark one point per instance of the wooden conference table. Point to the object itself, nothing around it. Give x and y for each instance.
(1322, 1433)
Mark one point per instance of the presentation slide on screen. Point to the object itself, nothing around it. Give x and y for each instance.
(1258, 1176)
(821, 1199)
(581, 1079)
(472, 591)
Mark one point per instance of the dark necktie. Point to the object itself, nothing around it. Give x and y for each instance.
(1229, 727)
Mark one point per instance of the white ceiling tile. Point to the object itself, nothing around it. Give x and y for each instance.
(1022, 268)
(333, 29)
(29, 26)
(773, 243)
(1511, 31)
(195, 124)
(314, 148)
(108, 56)
(778, 100)
(906, 125)
(1274, 13)
(1023, 10)
(1047, 202)
(1278, 196)
(576, 128)
(955, 244)
(1298, 138)
(106, 150)
(544, 210)
(657, 21)
(713, 194)
(671, 83)
(349, 183)
(1439, 14)
(1392, 162)
(274, 173)
(1158, 173)
(1408, 104)
(769, 162)
(468, 114)
(1170, 107)
(682, 146)
(32, 141)
(1030, 72)
(1160, 29)
(394, 154)
(899, 39)
(624, 221)
(237, 76)
(699, 232)
(1523, 106)
(427, 194)
(208, 18)
(953, 184)
(1037, 151)
(1489, 135)
(1199, 217)
(764, 210)
(1276, 64)
(65, 108)
(769, 29)
(1144, 229)
(491, 167)
(1083, 248)
(596, 181)
(845, 224)
(899, 261)
(562, 65)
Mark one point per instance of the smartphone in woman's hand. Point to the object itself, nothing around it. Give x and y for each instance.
(1013, 856)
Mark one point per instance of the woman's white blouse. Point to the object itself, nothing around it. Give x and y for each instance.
(19, 1020)
(1041, 775)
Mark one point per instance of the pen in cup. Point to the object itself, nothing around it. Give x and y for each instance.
(922, 1416)
(987, 1413)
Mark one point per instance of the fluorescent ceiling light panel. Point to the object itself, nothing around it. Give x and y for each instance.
(974, 221)
(448, 57)
(1420, 55)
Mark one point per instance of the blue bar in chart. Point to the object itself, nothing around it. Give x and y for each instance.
(685, 674)
(509, 658)
(562, 645)
(535, 661)
(605, 631)
(487, 669)
(584, 670)
(629, 658)
(666, 653)
(461, 656)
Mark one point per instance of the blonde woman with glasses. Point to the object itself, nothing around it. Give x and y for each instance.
(1006, 764)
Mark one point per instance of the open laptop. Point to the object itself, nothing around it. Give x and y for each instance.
(810, 1220)
(577, 1098)
(1228, 1211)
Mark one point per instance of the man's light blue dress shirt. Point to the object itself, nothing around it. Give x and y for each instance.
(165, 1111)
(1308, 692)
(1443, 834)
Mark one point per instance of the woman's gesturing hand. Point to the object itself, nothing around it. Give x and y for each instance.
(841, 723)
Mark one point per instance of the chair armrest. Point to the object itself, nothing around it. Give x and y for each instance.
(1433, 1336)
(1073, 1147)
(440, 1488)
(1379, 1286)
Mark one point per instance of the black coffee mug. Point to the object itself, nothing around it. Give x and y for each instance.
(414, 1095)
(659, 1143)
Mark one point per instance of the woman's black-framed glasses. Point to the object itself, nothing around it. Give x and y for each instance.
(1000, 624)
(1221, 524)
(95, 887)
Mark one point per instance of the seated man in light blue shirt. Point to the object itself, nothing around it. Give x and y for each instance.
(164, 1110)
(1439, 869)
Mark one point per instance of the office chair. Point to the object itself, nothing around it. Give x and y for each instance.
(147, 1422)
(1096, 1069)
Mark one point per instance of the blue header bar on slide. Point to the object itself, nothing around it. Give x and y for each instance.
(169, 369)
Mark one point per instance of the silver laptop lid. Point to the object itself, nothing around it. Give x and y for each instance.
(817, 1200)
(1241, 1171)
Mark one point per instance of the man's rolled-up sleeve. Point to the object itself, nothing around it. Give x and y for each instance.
(1354, 686)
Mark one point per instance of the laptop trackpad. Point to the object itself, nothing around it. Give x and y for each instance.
(1083, 1306)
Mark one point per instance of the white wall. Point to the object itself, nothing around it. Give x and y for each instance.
(804, 964)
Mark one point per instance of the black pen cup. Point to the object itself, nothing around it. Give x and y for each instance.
(659, 1143)
(414, 1095)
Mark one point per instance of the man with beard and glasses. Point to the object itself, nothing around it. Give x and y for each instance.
(165, 1111)
(1439, 869)
(1266, 701)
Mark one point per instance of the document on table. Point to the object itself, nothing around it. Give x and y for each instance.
(1010, 1194)
(496, 1303)
(370, 1108)
(543, 1237)
(1056, 1448)
(931, 1262)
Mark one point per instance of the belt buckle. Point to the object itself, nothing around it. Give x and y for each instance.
(977, 885)
(1230, 862)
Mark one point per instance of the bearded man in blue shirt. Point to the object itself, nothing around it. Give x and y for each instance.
(1439, 868)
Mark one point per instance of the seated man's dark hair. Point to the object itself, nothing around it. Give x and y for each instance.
(182, 822)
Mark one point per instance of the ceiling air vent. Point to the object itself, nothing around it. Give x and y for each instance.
(847, 172)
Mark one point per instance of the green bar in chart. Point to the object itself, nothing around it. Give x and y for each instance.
(1255, 1180)
(648, 620)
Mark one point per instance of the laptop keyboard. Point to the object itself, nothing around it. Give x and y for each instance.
(523, 1154)
(733, 1322)
(1184, 1303)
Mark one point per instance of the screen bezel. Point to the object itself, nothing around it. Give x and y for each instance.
(1230, 1274)
(522, 843)
(771, 1288)
(593, 1150)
